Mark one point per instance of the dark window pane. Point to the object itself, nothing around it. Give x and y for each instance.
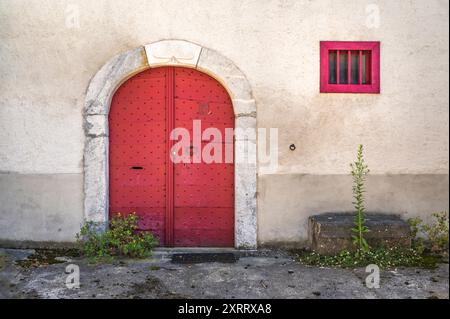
(343, 67)
(332, 68)
(366, 67)
(354, 68)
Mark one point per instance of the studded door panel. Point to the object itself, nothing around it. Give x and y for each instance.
(137, 150)
(204, 193)
(183, 204)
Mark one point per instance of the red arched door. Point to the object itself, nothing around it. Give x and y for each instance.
(184, 204)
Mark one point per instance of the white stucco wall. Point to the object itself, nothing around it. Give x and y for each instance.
(46, 66)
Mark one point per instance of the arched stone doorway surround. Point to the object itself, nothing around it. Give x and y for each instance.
(170, 53)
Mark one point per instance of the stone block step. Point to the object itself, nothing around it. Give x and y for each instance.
(330, 233)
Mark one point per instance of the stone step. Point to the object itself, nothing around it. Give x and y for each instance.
(330, 233)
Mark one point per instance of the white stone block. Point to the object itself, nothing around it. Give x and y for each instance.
(173, 52)
(96, 125)
(244, 107)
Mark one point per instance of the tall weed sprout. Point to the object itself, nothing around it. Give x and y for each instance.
(359, 172)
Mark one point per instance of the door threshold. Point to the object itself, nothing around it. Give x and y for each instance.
(192, 250)
(167, 252)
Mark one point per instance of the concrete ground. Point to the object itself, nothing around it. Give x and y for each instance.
(262, 274)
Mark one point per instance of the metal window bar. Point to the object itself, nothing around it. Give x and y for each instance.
(338, 62)
(349, 75)
(360, 67)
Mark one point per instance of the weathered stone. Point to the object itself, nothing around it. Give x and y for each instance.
(330, 233)
(245, 152)
(96, 125)
(96, 179)
(110, 76)
(245, 124)
(245, 206)
(244, 107)
(233, 79)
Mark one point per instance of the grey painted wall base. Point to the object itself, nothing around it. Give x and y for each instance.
(40, 207)
(286, 201)
(31, 244)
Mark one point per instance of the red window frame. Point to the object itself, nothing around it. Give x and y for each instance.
(372, 66)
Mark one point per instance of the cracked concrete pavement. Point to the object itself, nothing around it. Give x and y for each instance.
(262, 274)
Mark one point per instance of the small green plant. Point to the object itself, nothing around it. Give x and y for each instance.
(385, 258)
(359, 172)
(432, 237)
(122, 238)
(415, 226)
(437, 232)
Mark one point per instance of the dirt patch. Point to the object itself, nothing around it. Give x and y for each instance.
(45, 257)
(2, 261)
(152, 288)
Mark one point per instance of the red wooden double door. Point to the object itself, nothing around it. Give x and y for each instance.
(183, 204)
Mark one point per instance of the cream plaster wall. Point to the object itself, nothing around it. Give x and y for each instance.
(46, 66)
